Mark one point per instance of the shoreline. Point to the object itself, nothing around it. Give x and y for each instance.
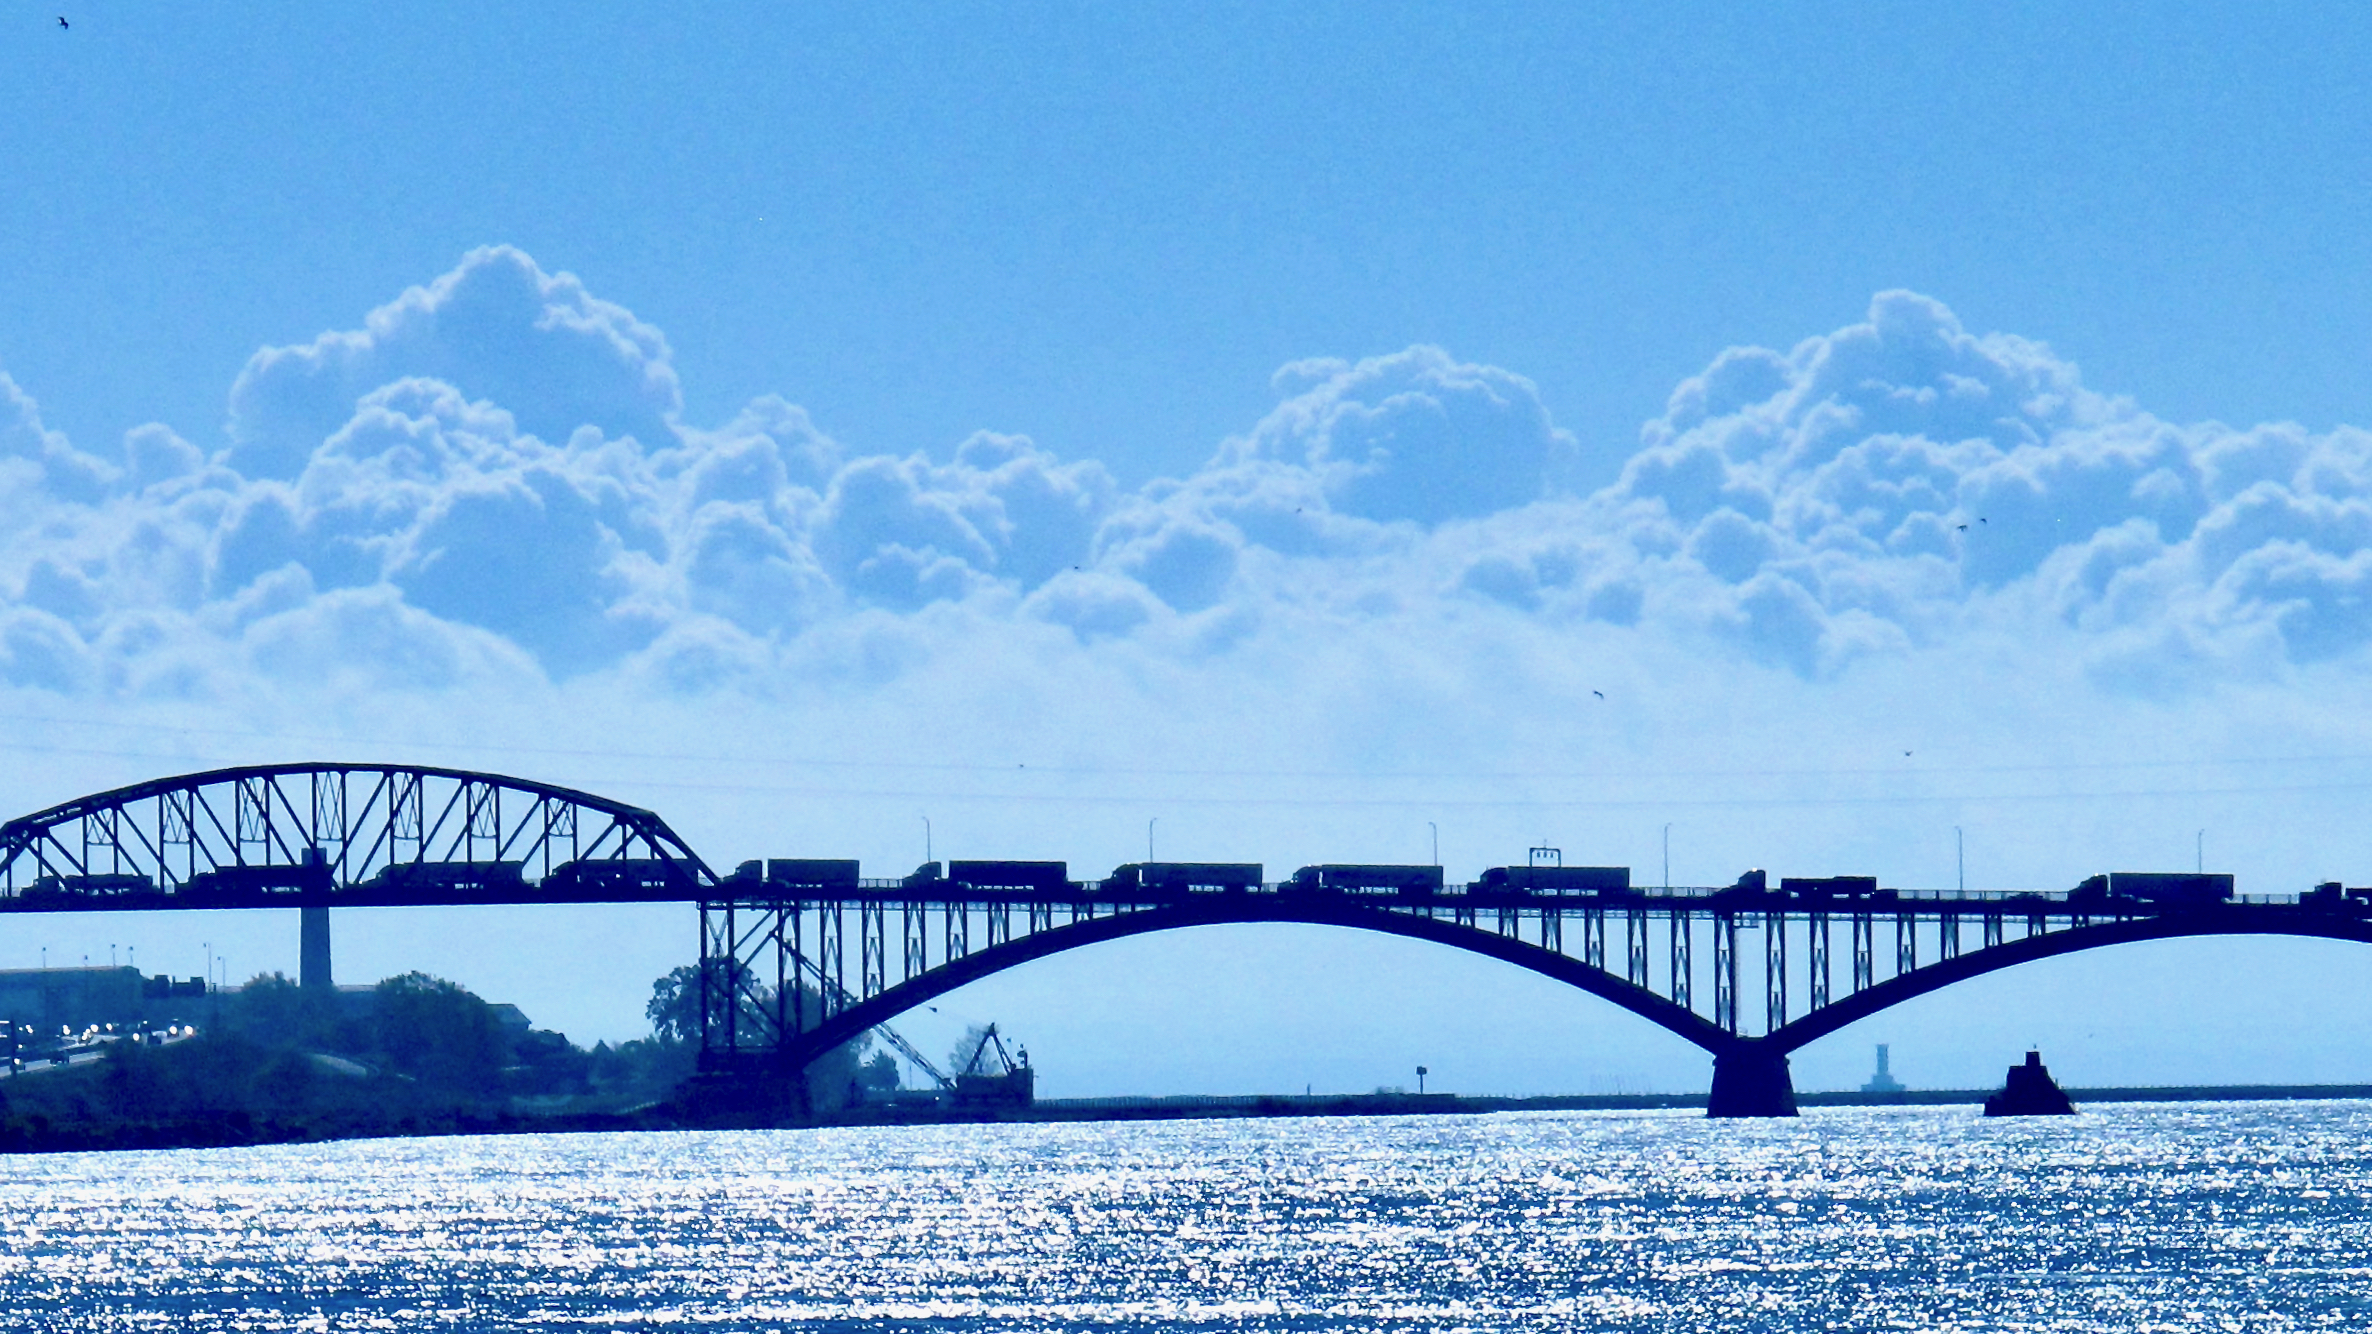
(242, 1132)
(1193, 1107)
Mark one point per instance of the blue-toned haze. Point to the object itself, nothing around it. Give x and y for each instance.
(1288, 432)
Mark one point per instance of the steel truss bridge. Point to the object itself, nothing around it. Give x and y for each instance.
(799, 957)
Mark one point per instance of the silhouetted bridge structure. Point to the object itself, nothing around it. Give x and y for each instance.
(799, 956)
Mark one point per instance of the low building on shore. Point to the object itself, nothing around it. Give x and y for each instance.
(49, 999)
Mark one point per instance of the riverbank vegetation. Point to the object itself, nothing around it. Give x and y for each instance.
(415, 1055)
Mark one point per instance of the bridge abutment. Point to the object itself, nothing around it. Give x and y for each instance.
(1751, 1081)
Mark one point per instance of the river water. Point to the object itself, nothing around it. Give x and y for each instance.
(2230, 1216)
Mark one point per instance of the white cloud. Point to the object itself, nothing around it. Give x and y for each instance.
(1414, 436)
(499, 328)
(503, 451)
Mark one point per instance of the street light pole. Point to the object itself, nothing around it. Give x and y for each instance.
(927, 858)
(1436, 841)
(1149, 837)
(1960, 856)
(1667, 858)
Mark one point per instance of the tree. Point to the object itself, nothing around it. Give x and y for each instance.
(674, 1012)
(440, 1034)
(276, 1012)
(960, 1059)
(674, 1008)
(676, 998)
(286, 1082)
(879, 1073)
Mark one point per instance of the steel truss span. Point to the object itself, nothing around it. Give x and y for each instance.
(365, 835)
(1748, 977)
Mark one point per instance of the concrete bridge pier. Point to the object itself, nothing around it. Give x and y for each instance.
(313, 925)
(313, 947)
(1751, 1080)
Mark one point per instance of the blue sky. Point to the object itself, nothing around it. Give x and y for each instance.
(803, 421)
(1105, 225)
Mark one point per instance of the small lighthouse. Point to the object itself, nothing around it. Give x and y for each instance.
(1883, 1081)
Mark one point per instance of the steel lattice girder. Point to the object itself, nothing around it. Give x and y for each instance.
(341, 833)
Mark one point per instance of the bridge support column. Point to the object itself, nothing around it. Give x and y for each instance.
(313, 948)
(1751, 1081)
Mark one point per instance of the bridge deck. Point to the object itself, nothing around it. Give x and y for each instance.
(127, 894)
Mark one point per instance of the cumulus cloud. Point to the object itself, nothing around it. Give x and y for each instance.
(1413, 436)
(492, 474)
(497, 327)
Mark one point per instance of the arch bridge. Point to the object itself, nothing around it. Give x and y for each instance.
(801, 956)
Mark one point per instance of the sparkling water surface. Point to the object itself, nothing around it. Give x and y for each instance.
(2235, 1216)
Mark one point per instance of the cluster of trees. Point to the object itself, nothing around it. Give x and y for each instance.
(419, 1054)
(735, 995)
(422, 1029)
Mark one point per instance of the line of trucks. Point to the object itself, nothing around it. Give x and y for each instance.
(592, 880)
(1141, 882)
(2134, 891)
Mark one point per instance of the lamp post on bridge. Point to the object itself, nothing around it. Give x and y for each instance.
(1667, 857)
(1436, 841)
(1149, 837)
(1960, 856)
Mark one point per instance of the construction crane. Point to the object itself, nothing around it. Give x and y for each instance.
(921, 1062)
(1013, 1084)
(1005, 1082)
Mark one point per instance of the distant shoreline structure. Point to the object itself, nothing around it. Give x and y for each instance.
(191, 1133)
(1194, 1107)
(1883, 1082)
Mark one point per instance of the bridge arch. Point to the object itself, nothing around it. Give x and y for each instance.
(848, 1023)
(1750, 1072)
(2218, 920)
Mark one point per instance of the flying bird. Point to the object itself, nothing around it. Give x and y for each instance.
(1599, 693)
(63, 23)
(1964, 527)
